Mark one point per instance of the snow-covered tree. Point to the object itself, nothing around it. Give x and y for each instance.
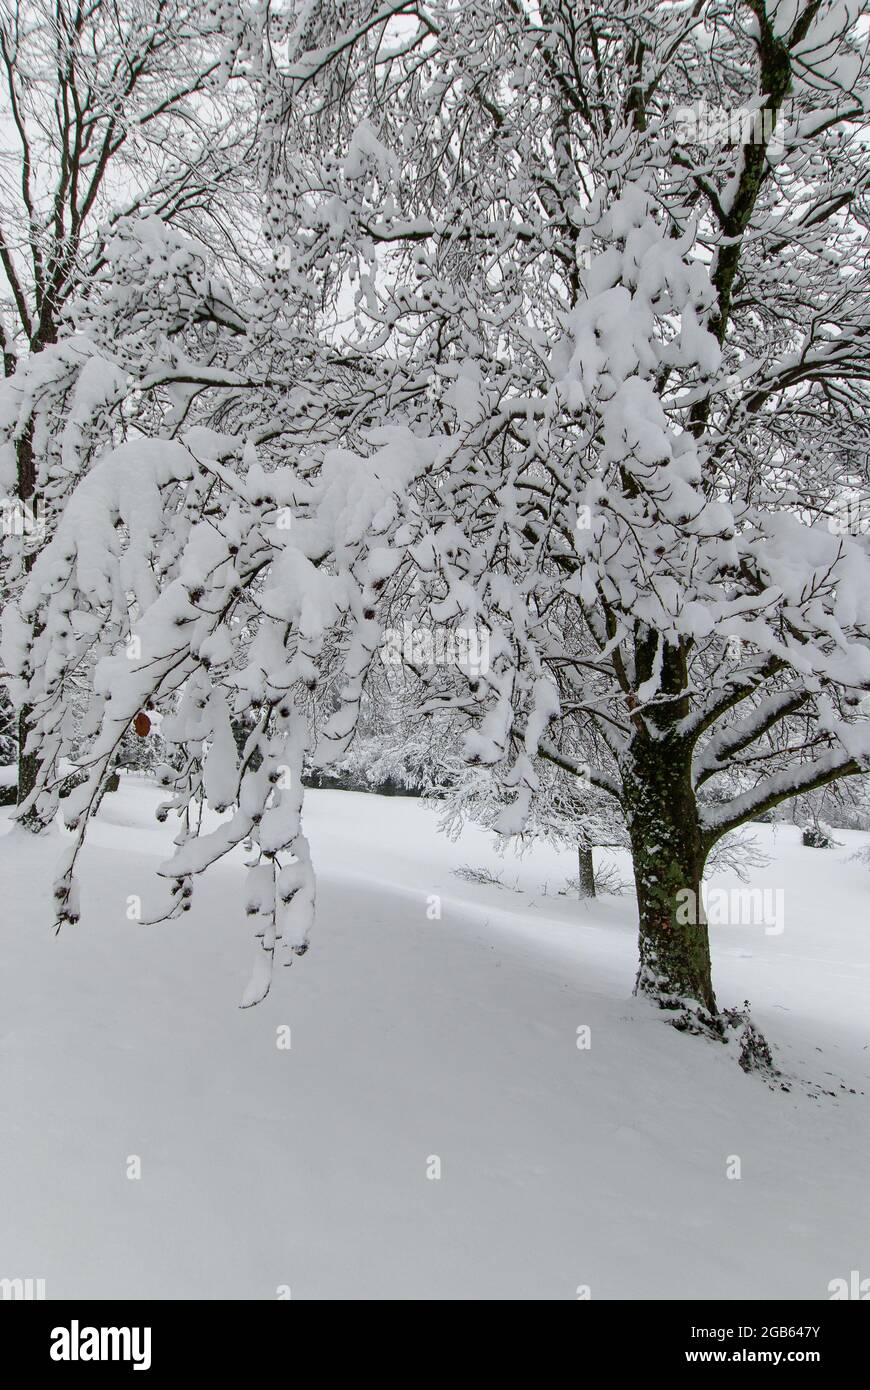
(114, 114)
(553, 365)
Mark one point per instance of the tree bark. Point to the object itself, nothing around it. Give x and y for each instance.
(668, 853)
(586, 875)
(28, 763)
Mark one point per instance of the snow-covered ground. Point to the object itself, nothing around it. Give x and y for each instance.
(415, 1037)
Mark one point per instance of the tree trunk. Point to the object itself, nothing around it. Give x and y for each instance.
(28, 763)
(28, 771)
(586, 876)
(668, 855)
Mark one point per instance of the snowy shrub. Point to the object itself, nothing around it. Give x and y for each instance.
(753, 1050)
(817, 836)
(478, 873)
(738, 853)
(608, 882)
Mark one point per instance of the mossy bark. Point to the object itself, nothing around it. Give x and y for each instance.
(668, 855)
